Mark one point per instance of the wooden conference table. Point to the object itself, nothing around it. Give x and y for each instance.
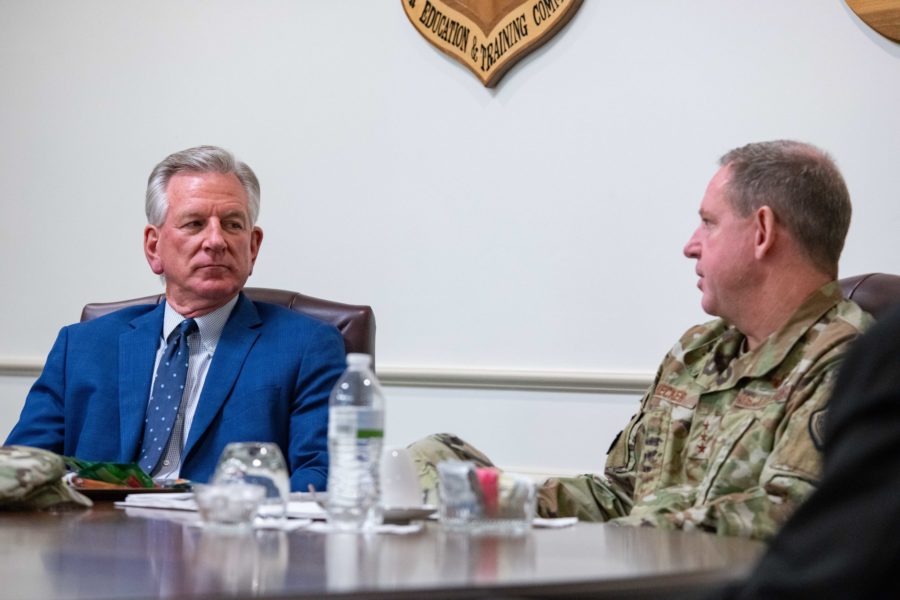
(106, 552)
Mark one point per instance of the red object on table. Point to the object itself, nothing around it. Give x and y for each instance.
(487, 478)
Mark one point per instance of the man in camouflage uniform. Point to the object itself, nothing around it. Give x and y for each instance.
(728, 437)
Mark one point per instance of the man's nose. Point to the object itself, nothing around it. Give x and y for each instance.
(692, 248)
(214, 239)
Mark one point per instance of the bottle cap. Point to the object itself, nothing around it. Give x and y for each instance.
(359, 359)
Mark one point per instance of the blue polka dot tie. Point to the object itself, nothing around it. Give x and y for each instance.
(165, 397)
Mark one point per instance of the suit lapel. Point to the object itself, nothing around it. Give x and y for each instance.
(237, 339)
(137, 355)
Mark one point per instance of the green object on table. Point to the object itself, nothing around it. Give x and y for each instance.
(126, 474)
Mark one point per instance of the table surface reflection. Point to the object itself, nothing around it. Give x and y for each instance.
(106, 552)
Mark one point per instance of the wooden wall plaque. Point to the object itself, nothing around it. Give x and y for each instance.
(489, 36)
(881, 15)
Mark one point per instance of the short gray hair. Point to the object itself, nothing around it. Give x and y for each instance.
(201, 159)
(804, 189)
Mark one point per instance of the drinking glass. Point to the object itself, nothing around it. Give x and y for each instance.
(400, 487)
(485, 501)
(228, 505)
(259, 463)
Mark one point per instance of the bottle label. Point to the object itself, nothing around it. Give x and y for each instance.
(369, 424)
(369, 433)
(355, 422)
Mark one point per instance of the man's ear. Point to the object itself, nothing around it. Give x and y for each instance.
(151, 249)
(256, 237)
(765, 231)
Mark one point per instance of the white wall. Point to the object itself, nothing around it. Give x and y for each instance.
(536, 226)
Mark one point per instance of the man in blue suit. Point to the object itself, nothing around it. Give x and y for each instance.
(255, 371)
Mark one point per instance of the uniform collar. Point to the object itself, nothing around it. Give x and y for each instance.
(728, 364)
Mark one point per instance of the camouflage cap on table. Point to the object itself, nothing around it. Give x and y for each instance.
(31, 479)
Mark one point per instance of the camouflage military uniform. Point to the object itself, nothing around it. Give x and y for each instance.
(725, 440)
(31, 478)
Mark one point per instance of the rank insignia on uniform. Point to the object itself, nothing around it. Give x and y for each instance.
(703, 436)
(817, 428)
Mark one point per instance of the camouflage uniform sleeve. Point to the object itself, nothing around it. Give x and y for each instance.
(594, 497)
(788, 477)
(588, 497)
(429, 451)
(31, 479)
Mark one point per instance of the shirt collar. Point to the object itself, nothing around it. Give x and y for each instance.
(209, 325)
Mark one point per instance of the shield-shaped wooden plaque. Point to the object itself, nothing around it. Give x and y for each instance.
(881, 15)
(489, 36)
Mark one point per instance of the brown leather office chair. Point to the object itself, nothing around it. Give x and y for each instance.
(876, 293)
(355, 322)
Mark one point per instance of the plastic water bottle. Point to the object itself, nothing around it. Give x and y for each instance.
(355, 436)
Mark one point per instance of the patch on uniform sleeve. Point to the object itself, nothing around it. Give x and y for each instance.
(817, 428)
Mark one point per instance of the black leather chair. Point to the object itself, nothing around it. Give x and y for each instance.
(355, 322)
(876, 293)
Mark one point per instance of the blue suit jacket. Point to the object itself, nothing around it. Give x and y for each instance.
(269, 380)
